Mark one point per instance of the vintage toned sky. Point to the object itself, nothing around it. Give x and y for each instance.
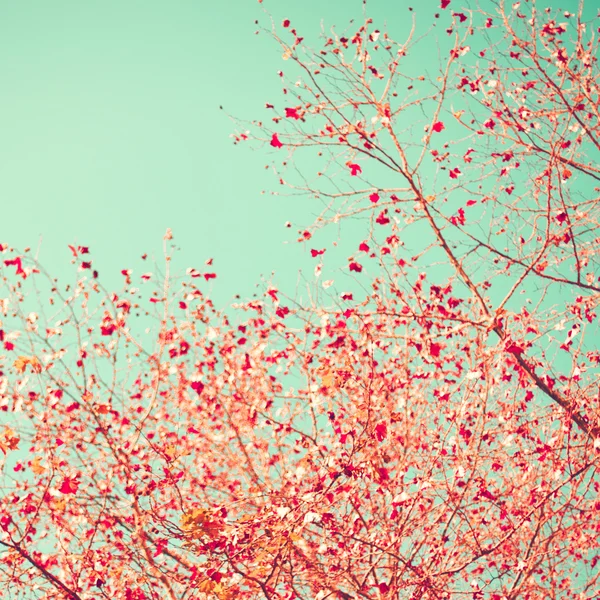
(111, 130)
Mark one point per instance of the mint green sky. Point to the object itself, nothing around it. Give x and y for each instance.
(111, 130)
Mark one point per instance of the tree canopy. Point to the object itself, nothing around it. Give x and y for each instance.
(424, 424)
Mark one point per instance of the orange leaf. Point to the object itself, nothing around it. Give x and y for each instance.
(36, 467)
(9, 441)
(21, 363)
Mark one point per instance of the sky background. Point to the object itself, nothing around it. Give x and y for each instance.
(111, 131)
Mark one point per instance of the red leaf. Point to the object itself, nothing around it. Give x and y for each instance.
(69, 485)
(315, 253)
(382, 218)
(381, 432)
(363, 247)
(354, 169)
(459, 219)
(434, 349)
(275, 141)
(107, 329)
(197, 386)
(454, 173)
(17, 263)
(286, 23)
(514, 348)
(374, 198)
(437, 127)
(445, 3)
(354, 266)
(292, 113)
(161, 545)
(282, 311)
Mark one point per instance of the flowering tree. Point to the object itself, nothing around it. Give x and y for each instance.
(433, 432)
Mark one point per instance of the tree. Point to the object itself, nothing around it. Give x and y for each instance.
(432, 433)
